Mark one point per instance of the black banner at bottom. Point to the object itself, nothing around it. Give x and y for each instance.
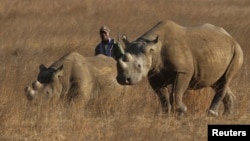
(237, 132)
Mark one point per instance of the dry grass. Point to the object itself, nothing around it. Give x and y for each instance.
(35, 32)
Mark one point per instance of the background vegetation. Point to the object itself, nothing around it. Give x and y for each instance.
(34, 32)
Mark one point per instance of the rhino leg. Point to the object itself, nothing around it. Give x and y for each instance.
(86, 94)
(163, 93)
(228, 102)
(164, 96)
(180, 87)
(220, 93)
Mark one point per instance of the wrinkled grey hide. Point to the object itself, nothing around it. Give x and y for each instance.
(74, 75)
(184, 58)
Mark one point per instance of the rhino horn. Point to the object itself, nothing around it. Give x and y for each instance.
(37, 85)
(30, 93)
(122, 64)
(128, 57)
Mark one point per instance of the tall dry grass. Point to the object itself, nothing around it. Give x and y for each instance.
(35, 32)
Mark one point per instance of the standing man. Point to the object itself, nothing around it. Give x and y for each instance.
(108, 46)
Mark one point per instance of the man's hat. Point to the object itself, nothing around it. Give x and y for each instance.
(104, 29)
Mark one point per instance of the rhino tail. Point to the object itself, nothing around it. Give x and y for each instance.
(235, 64)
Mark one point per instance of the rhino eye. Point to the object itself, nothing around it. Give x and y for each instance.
(47, 92)
(138, 66)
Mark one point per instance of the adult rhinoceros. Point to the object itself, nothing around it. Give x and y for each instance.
(186, 58)
(75, 75)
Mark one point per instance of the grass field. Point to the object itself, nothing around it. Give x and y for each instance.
(34, 32)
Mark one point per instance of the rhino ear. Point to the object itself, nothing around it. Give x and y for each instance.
(156, 39)
(42, 67)
(58, 72)
(125, 39)
(152, 47)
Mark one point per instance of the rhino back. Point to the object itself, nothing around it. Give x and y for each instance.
(212, 51)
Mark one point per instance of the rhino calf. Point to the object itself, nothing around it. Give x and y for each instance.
(75, 75)
(185, 58)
